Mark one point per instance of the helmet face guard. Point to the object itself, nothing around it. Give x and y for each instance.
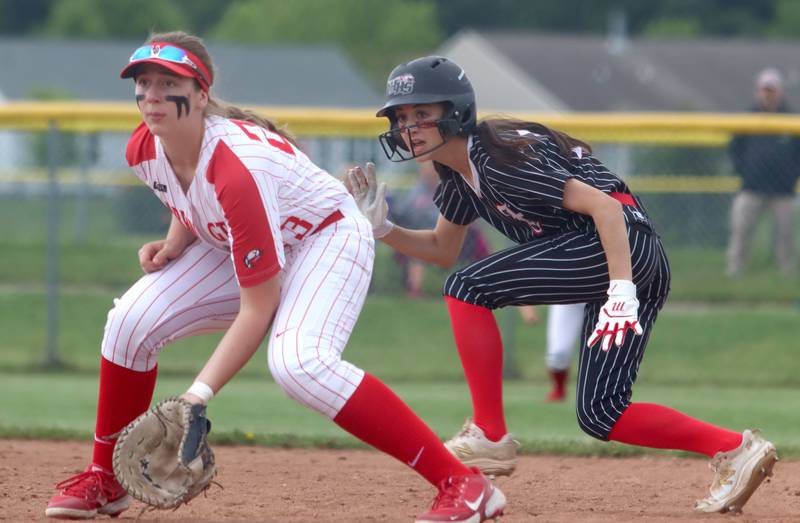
(427, 80)
(395, 148)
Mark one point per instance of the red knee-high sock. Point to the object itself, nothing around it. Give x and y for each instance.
(651, 425)
(375, 415)
(559, 379)
(124, 394)
(481, 351)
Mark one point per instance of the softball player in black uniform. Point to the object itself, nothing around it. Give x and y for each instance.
(581, 237)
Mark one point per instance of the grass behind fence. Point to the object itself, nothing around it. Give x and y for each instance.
(698, 273)
(100, 251)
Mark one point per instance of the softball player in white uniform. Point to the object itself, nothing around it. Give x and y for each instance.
(260, 237)
(564, 322)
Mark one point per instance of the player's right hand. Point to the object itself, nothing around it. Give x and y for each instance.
(154, 256)
(620, 313)
(370, 197)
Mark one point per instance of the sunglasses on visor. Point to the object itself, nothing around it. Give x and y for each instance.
(168, 53)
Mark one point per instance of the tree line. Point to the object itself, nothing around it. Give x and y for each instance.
(378, 33)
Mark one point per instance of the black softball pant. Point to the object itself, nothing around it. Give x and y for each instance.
(572, 268)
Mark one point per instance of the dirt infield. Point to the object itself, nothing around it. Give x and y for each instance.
(276, 485)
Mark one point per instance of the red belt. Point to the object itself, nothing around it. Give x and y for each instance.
(334, 217)
(624, 199)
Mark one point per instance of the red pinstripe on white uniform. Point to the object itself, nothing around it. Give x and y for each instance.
(325, 283)
(255, 204)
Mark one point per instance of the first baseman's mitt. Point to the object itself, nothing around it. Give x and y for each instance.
(162, 457)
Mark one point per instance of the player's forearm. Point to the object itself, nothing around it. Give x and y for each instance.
(610, 224)
(258, 306)
(236, 348)
(606, 212)
(179, 235)
(421, 244)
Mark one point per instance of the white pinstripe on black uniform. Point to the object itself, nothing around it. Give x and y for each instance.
(558, 259)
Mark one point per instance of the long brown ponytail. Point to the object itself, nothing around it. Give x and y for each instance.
(219, 108)
(502, 143)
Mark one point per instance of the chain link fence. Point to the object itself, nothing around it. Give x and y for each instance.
(75, 215)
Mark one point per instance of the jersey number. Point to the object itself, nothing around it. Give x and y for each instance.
(274, 139)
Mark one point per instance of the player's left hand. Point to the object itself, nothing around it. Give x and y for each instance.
(620, 313)
(162, 457)
(370, 197)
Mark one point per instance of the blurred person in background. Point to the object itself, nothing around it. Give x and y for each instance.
(564, 321)
(580, 236)
(769, 165)
(263, 244)
(415, 209)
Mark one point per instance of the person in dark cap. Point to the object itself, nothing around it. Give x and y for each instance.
(768, 166)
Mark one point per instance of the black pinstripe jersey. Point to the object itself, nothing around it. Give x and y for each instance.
(524, 200)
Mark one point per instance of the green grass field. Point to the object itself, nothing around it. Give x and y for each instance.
(254, 410)
(721, 364)
(723, 350)
(691, 345)
(103, 253)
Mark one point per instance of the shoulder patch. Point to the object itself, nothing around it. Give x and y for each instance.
(141, 146)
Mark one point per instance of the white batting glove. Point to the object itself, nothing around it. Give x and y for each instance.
(619, 314)
(371, 198)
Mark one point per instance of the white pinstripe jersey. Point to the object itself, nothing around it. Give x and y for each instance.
(253, 192)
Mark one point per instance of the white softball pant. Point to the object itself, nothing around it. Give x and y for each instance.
(564, 322)
(323, 286)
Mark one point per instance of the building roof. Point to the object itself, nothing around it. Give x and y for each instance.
(593, 73)
(269, 75)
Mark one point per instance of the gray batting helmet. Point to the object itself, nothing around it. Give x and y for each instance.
(430, 79)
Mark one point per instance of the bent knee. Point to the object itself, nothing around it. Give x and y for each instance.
(457, 286)
(452, 283)
(308, 373)
(323, 385)
(127, 343)
(593, 428)
(598, 420)
(138, 358)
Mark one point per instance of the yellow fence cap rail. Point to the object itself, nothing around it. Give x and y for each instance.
(656, 128)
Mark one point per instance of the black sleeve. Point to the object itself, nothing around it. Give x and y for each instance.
(796, 147)
(452, 204)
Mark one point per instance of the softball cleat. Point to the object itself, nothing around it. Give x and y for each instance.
(474, 449)
(87, 495)
(738, 473)
(471, 498)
